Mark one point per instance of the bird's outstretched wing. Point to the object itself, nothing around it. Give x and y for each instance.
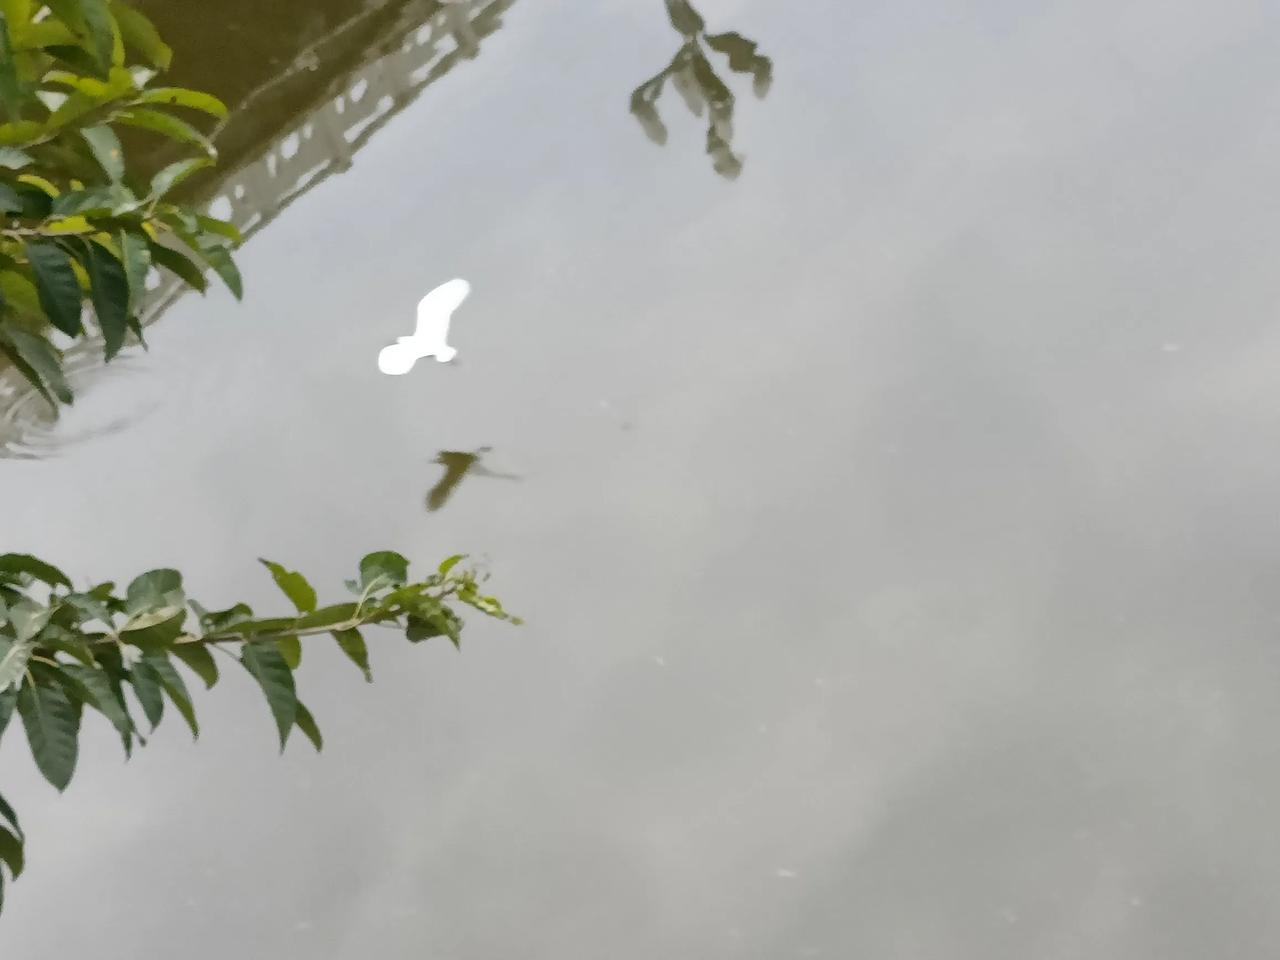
(435, 309)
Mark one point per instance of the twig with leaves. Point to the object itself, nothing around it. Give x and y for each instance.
(63, 649)
(693, 77)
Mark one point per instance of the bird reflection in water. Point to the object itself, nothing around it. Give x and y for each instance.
(694, 78)
(458, 464)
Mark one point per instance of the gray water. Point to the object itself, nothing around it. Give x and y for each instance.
(896, 529)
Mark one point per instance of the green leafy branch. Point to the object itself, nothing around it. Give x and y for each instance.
(701, 88)
(77, 223)
(63, 649)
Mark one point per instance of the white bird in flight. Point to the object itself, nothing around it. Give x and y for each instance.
(429, 338)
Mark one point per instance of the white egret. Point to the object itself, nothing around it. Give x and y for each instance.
(429, 338)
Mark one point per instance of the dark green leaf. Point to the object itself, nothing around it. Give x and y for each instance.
(219, 258)
(109, 290)
(291, 649)
(440, 622)
(146, 684)
(353, 645)
(105, 147)
(171, 260)
(10, 86)
(8, 700)
(137, 261)
(199, 659)
(385, 567)
(684, 18)
(52, 722)
(105, 697)
(11, 852)
(6, 811)
(181, 97)
(155, 628)
(166, 125)
(174, 686)
(90, 23)
(267, 666)
(26, 563)
(307, 724)
(38, 361)
(139, 33)
(155, 588)
(293, 584)
(57, 285)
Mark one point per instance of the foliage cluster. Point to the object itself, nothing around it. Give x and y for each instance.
(62, 650)
(78, 226)
(691, 73)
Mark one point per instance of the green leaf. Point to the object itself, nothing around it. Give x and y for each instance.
(11, 158)
(175, 173)
(174, 686)
(440, 622)
(109, 290)
(11, 852)
(171, 260)
(307, 724)
(146, 684)
(14, 656)
(110, 201)
(169, 126)
(219, 621)
(293, 584)
(52, 722)
(26, 563)
(222, 227)
(105, 147)
(219, 258)
(352, 644)
(137, 261)
(325, 616)
(155, 588)
(267, 666)
(155, 628)
(57, 285)
(384, 565)
(28, 619)
(38, 361)
(140, 34)
(6, 811)
(450, 562)
(105, 697)
(10, 86)
(90, 23)
(181, 97)
(291, 649)
(8, 700)
(199, 659)
(90, 607)
(684, 18)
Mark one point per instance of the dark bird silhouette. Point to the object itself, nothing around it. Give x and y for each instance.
(457, 464)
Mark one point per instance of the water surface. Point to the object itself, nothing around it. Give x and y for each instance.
(896, 527)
